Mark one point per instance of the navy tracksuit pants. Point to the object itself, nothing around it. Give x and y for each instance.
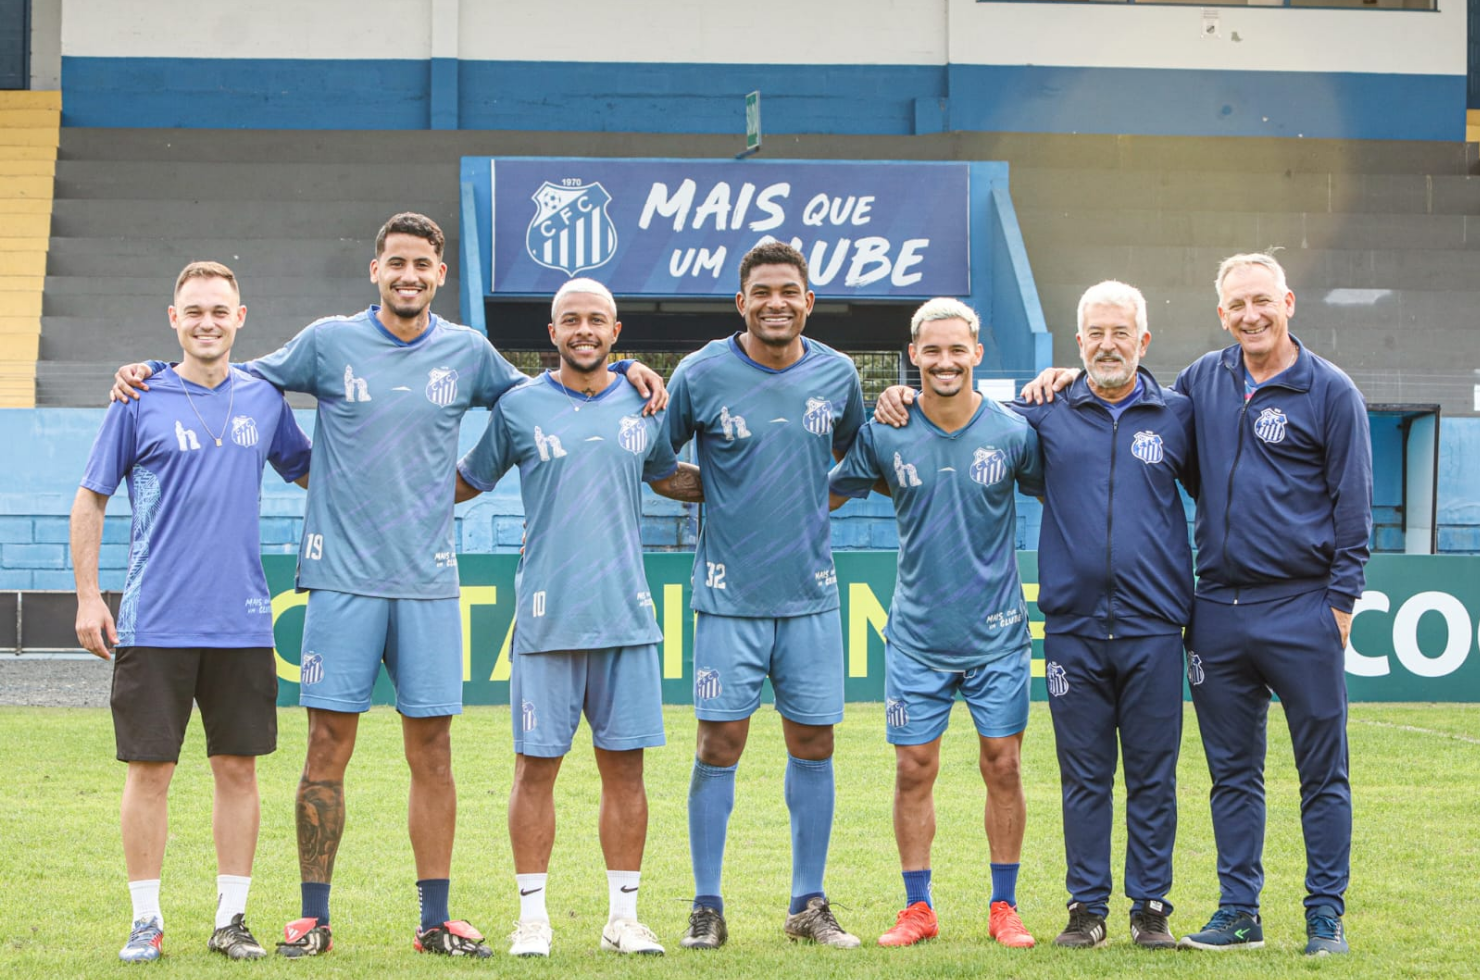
(1237, 655)
(1096, 687)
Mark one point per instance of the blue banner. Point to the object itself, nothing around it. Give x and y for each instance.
(675, 228)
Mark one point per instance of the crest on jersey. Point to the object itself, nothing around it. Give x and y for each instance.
(819, 417)
(244, 430)
(311, 670)
(527, 720)
(706, 684)
(1147, 447)
(1194, 669)
(988, 465)
(1058, 681)
(633, 434)
(896, 712)
(571, 230)
(1270, 425)
(441, 386)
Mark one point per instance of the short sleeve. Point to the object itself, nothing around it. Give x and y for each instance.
(859, 469)
(486, 462)
(293, 366)
(661, 463)
(679, 417)
(114, 450)
(290, 450)
(1030, 466)
(845, 429)
(496, 376)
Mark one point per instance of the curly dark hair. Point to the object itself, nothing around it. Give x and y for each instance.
(772, 253)
(411, 223)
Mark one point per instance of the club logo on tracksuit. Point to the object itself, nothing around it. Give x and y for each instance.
(1270, 425)
(548, 446)
(819, 417)
(633, 435)
(706, 684)
(733, 426)
(1147, 447)
(896, 712)
(244, 430)
(905, 473)
(527, 720)
(988, 465)
(441, 386)
(1058, 680)
(1195, 674)
(571, 230)
(311, 670)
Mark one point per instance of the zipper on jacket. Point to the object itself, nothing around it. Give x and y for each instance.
(1238, 451)
(1110, 526)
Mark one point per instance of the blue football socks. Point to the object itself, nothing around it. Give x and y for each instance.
(711, 798)
(810, 798)
(1004, 883)
(315, 900)
(432, 894)
(917, 887)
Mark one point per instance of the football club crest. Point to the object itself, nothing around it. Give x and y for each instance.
(244, 430)
(1194, 669)
(896, 712)
(1270, 425)
(988, 465)
(1147, 447)
(819, 417)
(441, 386)
(527, 719)
(571, 230)
(1058, 680)
(633, 435)
(706, 684)
(311, 670)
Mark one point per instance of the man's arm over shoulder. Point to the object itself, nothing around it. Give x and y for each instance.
(291, 448)
(854, 476)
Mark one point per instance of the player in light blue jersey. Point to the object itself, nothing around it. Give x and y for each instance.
(957, 622)
(379, 558)
(585, 637)
(769, 412)
(195, 620)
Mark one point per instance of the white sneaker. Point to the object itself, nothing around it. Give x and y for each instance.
(531, 937)
(630, 936)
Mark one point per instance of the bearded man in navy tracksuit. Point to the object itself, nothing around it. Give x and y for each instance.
(1115, 585)
(1282, 533)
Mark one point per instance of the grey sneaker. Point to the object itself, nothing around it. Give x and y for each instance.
(816, 923)
(1149, 929)
(706, 929)
(235, 941)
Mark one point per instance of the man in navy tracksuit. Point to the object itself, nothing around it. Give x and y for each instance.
(1283, 522)
(1115, 585)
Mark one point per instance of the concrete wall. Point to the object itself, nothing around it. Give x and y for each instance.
(46, 45)
(829, 66)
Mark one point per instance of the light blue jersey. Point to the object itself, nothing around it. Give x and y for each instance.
(379, 519)
(958, 601)
(581, 583)
(194, 575)
(764, 443)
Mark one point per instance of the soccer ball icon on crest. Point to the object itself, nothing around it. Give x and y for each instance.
(571, 230)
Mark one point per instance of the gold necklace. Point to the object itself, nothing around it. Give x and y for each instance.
(230, 401)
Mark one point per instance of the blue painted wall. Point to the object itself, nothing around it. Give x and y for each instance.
(37, 497)
(551, 96)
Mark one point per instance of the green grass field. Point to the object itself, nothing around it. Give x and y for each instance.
(64, 907)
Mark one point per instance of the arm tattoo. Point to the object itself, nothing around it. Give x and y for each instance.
(685, 485)
(320, 826)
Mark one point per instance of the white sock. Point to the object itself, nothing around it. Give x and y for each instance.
(621, 888)
(532, 897)
(146, 900)
(231, 897)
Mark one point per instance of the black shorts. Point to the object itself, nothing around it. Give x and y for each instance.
(154, 686)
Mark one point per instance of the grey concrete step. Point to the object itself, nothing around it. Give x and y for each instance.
(192, 180)
(1246, 230)
(1185, 190)
(1153, 266)
(262, 219)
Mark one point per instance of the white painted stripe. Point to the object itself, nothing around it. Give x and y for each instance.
(579, 234)
(564, 237)
(1418, 731)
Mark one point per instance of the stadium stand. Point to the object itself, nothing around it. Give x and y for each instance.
(29, 126)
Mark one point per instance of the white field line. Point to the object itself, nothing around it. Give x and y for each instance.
(1420, 731)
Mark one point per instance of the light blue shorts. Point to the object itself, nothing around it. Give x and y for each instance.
(619, 689)
(346, 637)
(803, 656)
(918, 699)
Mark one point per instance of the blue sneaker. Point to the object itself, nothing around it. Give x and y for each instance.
(1323, 932)
(1227, 929)
(144, 942)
